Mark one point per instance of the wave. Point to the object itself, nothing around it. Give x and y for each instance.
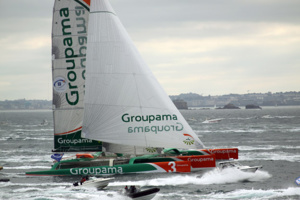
(266, 147)
(291, 157)
(17, 137)
(40, 138)
(250, 130)
(57, 191)
(28, 159)
(64, 190)
(289, 193)
(33, 130)
(231, 131)
(256, 194)
(294, 130)
(29, 167)
(277, 117)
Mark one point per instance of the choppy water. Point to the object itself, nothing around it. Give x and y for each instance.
(268, 137)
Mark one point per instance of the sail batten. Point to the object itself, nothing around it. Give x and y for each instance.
(124, 103)
(102, 12)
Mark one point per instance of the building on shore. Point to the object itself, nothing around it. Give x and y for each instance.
(180, 104)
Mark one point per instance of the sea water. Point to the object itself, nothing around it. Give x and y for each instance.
(269, 137)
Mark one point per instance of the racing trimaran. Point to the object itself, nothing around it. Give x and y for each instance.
(106, 99)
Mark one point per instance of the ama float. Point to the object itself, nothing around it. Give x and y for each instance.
(106, 100)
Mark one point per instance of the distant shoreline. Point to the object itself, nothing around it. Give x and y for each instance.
(189, 108)
(190, 100)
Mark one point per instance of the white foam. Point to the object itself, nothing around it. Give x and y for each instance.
(294, 130)
(29, 158)
(62, 192)
(277, 117)
(29, 167)
(277, 155)
(266, 147)
(231, 131)
(232, 175)
(256, 194)
(212, 177)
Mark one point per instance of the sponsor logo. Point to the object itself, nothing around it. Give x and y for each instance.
(60, 84)
(147, 118)
(96, 170)
(200, 159)
(224, 151)
(182, 165)
(74, 141)
(175, 127)
(297, 181)
(74, 42)
(156, 129)
(189, 139)
(151, 149)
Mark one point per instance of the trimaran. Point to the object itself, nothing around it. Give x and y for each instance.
(106, 99)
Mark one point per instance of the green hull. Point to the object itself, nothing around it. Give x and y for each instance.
(101, 170)
(172, 160)
(109, 166)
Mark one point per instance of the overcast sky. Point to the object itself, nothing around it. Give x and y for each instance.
(209, 47)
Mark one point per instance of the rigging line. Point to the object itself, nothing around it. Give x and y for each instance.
(140, 105)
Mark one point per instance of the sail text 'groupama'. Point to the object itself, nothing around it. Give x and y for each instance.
(71, 43)
(151, 118)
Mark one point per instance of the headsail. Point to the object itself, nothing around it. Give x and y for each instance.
(69, 40)
(124, 103)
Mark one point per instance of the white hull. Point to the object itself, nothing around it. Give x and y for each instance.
(237, 165)
(249, 169)
(98, 183)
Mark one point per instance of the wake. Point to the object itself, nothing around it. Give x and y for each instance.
(212, 177)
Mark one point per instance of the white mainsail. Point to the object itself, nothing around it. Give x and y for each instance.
(124, 103)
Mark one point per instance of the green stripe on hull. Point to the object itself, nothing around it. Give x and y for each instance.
(104, 170)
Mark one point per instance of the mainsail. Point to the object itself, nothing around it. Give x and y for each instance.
(124, 103)
(69, 41)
